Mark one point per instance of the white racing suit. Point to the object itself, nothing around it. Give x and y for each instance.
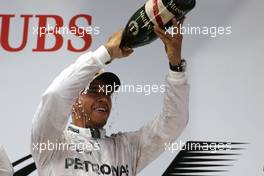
(122, 154)
(6, 168)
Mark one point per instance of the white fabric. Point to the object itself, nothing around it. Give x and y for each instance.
(122, 154)
(6, 168)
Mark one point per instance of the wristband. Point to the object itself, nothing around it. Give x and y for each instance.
(179, 68)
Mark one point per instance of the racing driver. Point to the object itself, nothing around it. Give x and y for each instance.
(83, 92)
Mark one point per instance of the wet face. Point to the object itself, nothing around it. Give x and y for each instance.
(95, 106)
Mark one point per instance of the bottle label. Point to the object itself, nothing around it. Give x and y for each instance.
(139, 22)
(174, 8)
(133, 27)
(158, 12)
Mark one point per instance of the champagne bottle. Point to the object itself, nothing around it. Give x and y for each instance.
(139, 30)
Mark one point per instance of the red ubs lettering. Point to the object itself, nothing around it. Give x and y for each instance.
(41, 39)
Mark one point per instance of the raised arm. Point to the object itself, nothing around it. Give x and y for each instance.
(54, 109)
(149, 142)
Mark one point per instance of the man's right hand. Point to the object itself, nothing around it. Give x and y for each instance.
(112, 45)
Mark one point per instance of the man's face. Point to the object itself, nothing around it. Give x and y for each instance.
(96, 104)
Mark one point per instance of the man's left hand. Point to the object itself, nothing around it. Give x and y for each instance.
(173, 41)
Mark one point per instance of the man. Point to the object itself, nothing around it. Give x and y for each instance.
(6, 168)
(80, 91)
